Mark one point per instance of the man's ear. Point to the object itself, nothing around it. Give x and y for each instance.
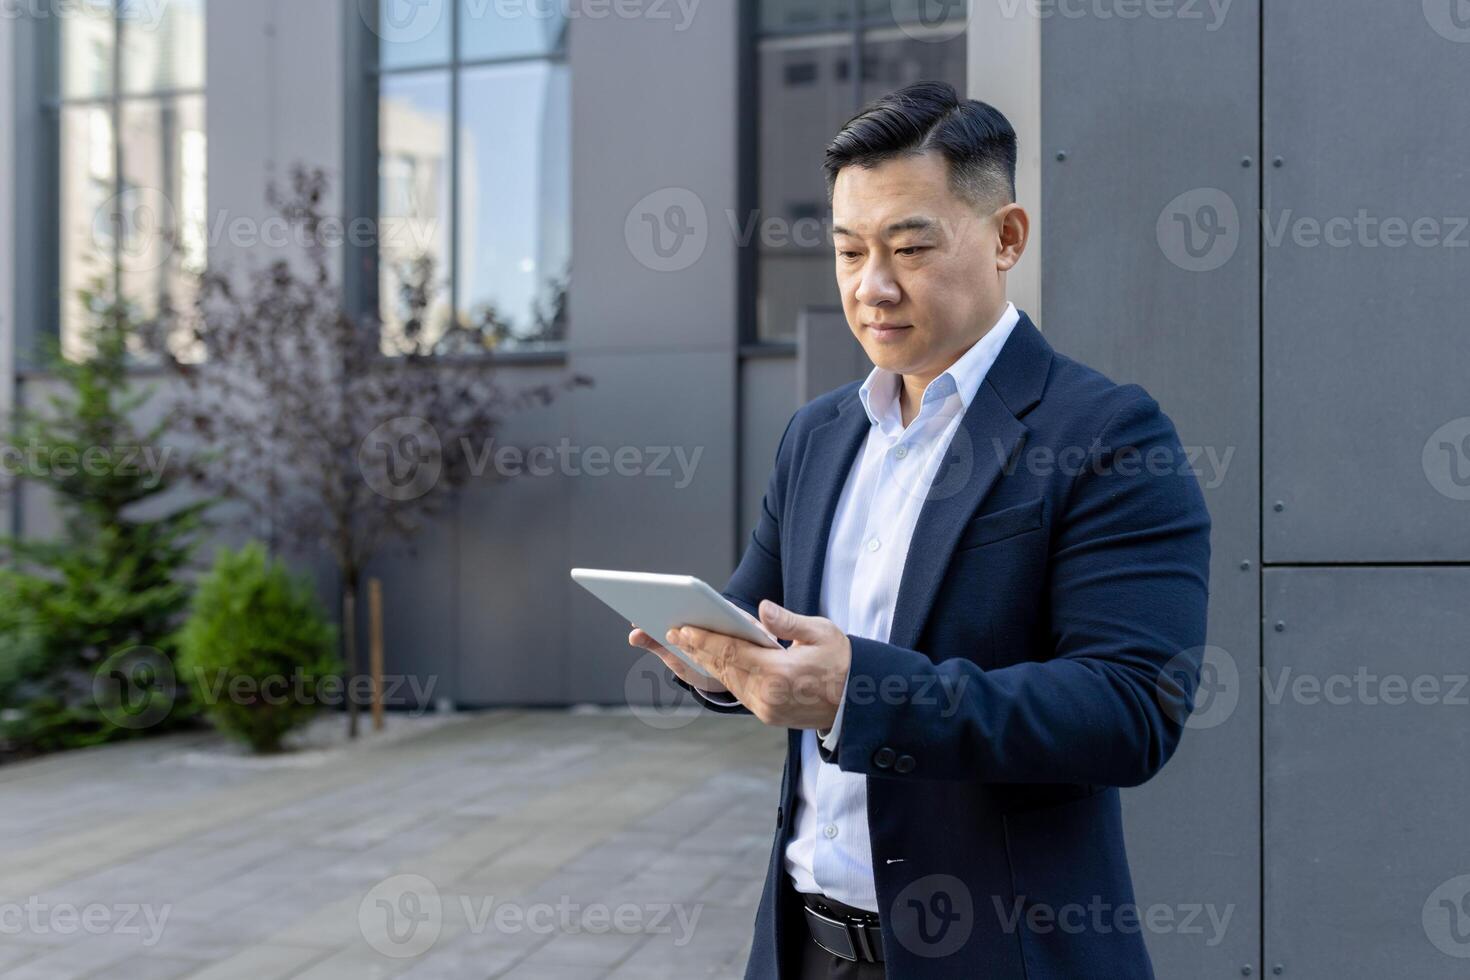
(1013, 227)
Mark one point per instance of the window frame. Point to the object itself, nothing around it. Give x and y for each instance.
(363, 154)
(51, 100)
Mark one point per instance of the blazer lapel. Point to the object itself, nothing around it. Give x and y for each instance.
(984, 444)
(988, 437)
(831, 449)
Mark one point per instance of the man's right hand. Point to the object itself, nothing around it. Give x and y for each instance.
(685, 673)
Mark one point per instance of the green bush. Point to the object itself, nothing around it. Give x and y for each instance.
(255, 641)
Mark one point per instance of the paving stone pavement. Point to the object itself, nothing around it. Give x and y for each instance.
(549, 845)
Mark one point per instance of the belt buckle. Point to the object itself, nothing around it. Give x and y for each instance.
(857, 935)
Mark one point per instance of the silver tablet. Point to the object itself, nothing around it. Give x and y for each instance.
(656, 603)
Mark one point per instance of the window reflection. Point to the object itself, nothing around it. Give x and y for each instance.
(86, 49)
(163, 52)
(808, 87)
(413, 135)
(474, 178)
(131, 183)
(514, 211)
(504, 30)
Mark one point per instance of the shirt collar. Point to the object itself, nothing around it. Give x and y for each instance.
(964, 377)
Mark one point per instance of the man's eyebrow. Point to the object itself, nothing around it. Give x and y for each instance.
(915, 223)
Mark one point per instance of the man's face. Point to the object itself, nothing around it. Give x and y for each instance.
(910, 253)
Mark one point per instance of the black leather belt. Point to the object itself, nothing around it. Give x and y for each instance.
(846, 932)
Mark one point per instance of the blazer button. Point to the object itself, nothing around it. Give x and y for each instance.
(883, 758)
(905, 763)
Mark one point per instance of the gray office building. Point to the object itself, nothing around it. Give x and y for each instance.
(1254, 209)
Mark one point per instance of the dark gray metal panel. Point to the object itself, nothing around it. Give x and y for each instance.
(654, 180)
(828, 355)
(1366, 351)
(674, 514)
(767, 401)
(1131, 287)
(1366, 846)
(653, 316)
(511, 556)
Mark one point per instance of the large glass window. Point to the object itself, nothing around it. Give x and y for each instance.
(474, 175)
(817, 63)
(127, 103)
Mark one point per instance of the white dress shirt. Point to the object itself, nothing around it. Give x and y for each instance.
(829, 851)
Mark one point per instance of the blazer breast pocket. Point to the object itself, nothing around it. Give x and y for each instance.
(1001, 524)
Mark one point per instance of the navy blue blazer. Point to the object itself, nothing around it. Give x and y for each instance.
(1044, 651)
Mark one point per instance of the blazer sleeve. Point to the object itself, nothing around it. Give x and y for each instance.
(1128, 588)
(758, 576)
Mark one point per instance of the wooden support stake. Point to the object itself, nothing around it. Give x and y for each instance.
(375, 650)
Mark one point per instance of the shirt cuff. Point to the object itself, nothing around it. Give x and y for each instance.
(713, 698)
(829, 740)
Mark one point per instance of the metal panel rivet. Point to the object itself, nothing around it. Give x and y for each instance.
(1280, 626)
(1062, 155)
(1246, 162)
(1279, 506)
(1278, 969)
(1279, 162)
(1245, 566)
(1246, 971)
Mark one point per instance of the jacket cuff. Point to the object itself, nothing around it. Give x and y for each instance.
(880, 744)
(827, 741)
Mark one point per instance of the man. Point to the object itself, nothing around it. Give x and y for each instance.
(991, 565)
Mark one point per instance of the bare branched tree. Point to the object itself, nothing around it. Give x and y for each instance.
(308, 423)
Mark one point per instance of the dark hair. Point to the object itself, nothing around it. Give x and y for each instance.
(974, 137)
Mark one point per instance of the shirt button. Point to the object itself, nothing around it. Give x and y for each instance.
(901, 451)
(830, 830)
(873, 544)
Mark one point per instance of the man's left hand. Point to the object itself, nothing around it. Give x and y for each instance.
(799, 686)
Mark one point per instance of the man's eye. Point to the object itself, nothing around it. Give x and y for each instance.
(847, 255)
(911, 250)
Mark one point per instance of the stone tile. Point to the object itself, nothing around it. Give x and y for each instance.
(13, 955)
(149, 968)
(263, 871)
(264, 962)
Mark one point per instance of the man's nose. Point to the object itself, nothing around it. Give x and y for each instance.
(877, 287)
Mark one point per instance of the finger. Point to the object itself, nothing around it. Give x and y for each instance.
(674, 662)
(784, 624)
(686, 673)
(730, 659)
(640, 638)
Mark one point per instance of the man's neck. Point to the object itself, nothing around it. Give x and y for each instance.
(911, 386)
